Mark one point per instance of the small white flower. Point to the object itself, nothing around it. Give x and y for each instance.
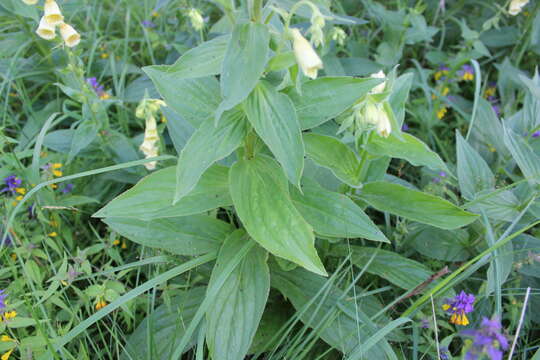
(384, 128)
(53, 15)
(196, 19)
(306, 57)
(30, 2)
(46, 30)
(70, 35)
(516, 6)
(376, 115)
(339, 35)
(151, 137)
(379, 88)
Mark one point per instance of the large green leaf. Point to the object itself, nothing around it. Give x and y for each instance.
(236, 310)
(152, 197)
(337, 318)
(260, 195)
(273, 116)
(333, 214)
(395, 268)
(325, 98)
(415, 205)
(185, 235)
(208, 144)
(410, 148)
(438, 243)
(474, 174)
(527, 160)
(243, 65)
(195, 100)
(158, 334)
(203, 60)
(332, 154)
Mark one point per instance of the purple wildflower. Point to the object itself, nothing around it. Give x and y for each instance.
(466, 73)
(459, 306)
(497, 109)
(442, 174)
(7, 241)
(98, 88)
(3, 297)
(487, 340)
(424, 324)
(12, 182)
(148, 24)
(32, 212)
(536, 134)
(404, 127)
(444, 353)
(66, 189)
(442, 72)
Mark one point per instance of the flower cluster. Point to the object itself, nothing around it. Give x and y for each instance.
(52, 170)
(13, 187)
(466, 73)
(98, 88)
(487, 340)
(459, 306)
(52, 18)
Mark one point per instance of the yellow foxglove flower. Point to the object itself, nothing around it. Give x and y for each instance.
(384, 128)
(148, 147)
(516, 6)
(70, 35)
(6, 355)
(376, 115)
(30, 2)
(379, 88)
(196, 19)
(53, 15)
(45, 30)
(306, 57)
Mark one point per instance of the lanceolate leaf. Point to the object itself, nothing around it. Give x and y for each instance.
(208, 144)
(243, 65)
(260, 195)
(158, 334)
(415, 205)
(151, 197)
(410, 148)
(527, 160)
(273, 116)
(185, 235)
(333, 214)
(234, 315)
(195, 100)
(397, 269)
(325, 98)
(331, 153)
(474, 174)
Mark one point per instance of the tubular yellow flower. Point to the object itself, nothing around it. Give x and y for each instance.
(45, 30)
(379, 88)
(148, 147)
(6, 355)
(196, 19)
(377, 116)
(306, 57)
(53, 15)
(70, 35)
(384, 128)
(516, 6)
(100, 304)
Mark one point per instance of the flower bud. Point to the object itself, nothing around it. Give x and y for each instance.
(30, 2)
(53, 15)
(45, 30)
(339, 35)
(516, 6)
(148, 147)
(306, 57)
(379, 88)
(196, 19)
(70, 35)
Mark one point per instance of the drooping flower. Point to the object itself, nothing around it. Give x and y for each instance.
(516, 6)
(70, 35)
(196, 19)
(100, 304)
(375, 114)
(338, 35)
(45, 30)
(53, 15)
(441, 73)
(466, 73)
(487, 340)
(306, 57)
(459, 306)
(12, 183)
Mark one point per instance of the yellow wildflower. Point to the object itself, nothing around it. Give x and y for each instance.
(21, 191)
(6, 355)
(53, 234)
(441, 112)
(8, 315)
(100, 304)
(6, 338)
(57, 173)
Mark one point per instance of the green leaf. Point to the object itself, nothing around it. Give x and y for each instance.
(397, 269)
(244, 63)
(151, 197)
(323, 306)
(332, 154)
(234, 315)
(160, 332)
(185, 235)
(273, 117)
(474, 174)
(439, 244)
(498, 205)
(195, 100)
(325, 98)
(208, 144)
(410, 148)
(260, 195)
(527, 160)
(415, 205)
(332, 214)
(83, 136)
(203, 60)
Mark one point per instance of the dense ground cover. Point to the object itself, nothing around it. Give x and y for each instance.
(269, 179)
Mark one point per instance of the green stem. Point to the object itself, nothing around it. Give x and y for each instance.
(256, 10)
